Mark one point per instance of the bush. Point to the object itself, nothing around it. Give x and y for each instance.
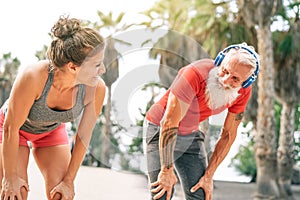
(244, 161)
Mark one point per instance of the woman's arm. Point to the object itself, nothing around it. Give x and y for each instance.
(85, 129)
(23, 93)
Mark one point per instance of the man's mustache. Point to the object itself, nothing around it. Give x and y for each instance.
(225, 86)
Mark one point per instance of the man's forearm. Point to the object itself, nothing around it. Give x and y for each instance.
(221, 150)
(167, 143)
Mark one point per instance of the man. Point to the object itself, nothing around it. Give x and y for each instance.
(173, 140)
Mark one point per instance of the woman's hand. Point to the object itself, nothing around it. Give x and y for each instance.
(63, 191)
(11, 188)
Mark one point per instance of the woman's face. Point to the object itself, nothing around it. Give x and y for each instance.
(91, 69)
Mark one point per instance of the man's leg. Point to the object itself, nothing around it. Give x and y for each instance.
(151, 137)
(190, 163)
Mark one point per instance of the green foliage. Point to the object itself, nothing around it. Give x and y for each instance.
(136, 147)
(244, 161)
(42, 54)
(297, 151)
(297, 117)
(277, 109)
(93, 155)
(109, 22)
(8, 71)
(9, 67)
(297, 136)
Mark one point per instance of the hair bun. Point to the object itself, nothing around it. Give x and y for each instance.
(65, 27)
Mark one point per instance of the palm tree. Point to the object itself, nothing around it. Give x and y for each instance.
(258, 14)
(111, 63)
(41, 54)
(110, 76)
(8, 71)
(175, 51)
(193, 25)
(287, 90)
(176, 48)
(216, 24)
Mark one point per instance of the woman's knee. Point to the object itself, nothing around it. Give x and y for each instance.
(57, 196)
(24, 192)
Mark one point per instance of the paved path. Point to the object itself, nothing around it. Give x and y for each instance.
(241, 191)
(105, 184)
(95, 184)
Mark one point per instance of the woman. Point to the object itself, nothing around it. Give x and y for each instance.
(45, 96)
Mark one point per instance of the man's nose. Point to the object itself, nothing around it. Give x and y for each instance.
(227, 79)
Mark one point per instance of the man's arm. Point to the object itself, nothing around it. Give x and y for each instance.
(166, 147)
(175, 111)
(166, 179)
(228, 135)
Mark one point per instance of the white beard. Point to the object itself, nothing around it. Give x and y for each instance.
(217, 93)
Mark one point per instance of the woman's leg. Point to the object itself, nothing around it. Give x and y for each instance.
(53, 163)
(23, 157)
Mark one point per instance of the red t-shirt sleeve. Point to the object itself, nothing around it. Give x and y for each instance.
(186, 84)
(240, 104)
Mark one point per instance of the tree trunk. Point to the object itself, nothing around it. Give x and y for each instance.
(106, 146)
(285, 157)
(265, 136)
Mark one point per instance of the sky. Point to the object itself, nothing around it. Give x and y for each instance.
(25, 24)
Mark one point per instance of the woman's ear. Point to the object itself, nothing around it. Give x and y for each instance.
(72, 67)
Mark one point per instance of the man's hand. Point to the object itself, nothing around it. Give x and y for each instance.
(207, 185)
(165, 182)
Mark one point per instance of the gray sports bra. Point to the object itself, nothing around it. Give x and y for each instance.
(42, 119)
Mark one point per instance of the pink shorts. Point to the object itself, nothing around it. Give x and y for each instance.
(56, 137)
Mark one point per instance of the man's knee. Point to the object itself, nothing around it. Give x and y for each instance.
(198, 195)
